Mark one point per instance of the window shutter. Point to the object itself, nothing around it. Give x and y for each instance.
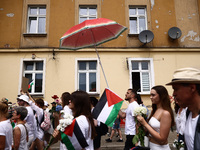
(145, 81)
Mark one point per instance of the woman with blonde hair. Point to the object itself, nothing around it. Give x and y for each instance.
(160, 120)
(6, 134)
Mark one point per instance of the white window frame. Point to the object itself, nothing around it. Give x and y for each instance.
(137, 16)
(88, 16)
(87, 82)
(37, 20)
(151, 73)
(22, 74)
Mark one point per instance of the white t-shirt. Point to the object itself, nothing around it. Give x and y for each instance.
(190, 129)
(67, 110)
(84, 126)
(30, 122)
(130, 120)
(7, 131)
(23, 142)
(180, 121)
(39, 112)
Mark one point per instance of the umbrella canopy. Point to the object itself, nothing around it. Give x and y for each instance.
(91, 33)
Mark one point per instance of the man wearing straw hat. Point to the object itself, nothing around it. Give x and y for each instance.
(186, 86)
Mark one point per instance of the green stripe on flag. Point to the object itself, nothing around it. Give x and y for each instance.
(113, 114)
(66, 141)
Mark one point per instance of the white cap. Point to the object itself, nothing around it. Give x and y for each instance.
(46, 103)
(23, 98)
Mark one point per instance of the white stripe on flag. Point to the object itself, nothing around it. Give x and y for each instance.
(105, 112)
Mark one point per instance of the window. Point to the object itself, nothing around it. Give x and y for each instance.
(34, 71)
(87, 12)
(36, 19)
(137, 19)
(141, 74)
(87, 76)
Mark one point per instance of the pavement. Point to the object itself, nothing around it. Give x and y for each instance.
(114, 145)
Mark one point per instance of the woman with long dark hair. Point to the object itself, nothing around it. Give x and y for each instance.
(81, 109)
(161, 119)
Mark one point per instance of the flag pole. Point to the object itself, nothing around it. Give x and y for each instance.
(94, 42)
(101, 65)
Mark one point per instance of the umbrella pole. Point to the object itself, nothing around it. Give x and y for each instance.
(101, 66)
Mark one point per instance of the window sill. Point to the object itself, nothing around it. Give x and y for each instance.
(133, 35)
(94, 94)
(144, 93)
(37, 95)
(35, 34)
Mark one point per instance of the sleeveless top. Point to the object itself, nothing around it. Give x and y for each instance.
(23, 142)
(155, 124)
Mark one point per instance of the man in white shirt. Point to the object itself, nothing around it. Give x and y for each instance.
(186, 86)
(130, 125)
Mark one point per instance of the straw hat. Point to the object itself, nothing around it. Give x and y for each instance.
(186, 75)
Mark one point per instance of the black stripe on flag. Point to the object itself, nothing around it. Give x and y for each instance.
(79, 135)
(100, 105)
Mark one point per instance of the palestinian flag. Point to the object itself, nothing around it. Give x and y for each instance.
(30, 85)
(107, 108)
(73, 137)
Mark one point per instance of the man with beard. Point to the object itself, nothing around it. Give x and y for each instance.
(186, 86)
(130, 125)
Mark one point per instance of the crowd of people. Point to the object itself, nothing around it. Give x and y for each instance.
(21, 129)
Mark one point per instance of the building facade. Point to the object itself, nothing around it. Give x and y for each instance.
(30, 31)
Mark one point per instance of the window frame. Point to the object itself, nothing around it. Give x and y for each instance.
(77, 60)
(88, 16)
(137, 16)
(36, 16)
(22, 74)
(151, 73)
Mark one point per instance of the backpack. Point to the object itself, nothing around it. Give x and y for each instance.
(46, 122)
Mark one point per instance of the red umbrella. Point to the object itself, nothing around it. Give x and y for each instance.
(91, 33)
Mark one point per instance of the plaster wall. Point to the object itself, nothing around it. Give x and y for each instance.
(60, 72)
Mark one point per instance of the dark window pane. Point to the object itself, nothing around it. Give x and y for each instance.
(39, 65)
(145, 65)
(82, 81)
(136, 81)
(28, 65)
(82, 65)
(92, 82)
(38, 82)
(92, 65)
(135, 65)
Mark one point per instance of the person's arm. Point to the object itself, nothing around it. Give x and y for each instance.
(3, 142)
(30, 97)
(165, 125)
(16, 137)
(122, 114)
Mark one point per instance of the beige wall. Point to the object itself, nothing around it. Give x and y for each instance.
(60, 73)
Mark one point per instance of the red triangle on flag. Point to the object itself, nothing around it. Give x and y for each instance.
(70, 129)
(112, 98)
